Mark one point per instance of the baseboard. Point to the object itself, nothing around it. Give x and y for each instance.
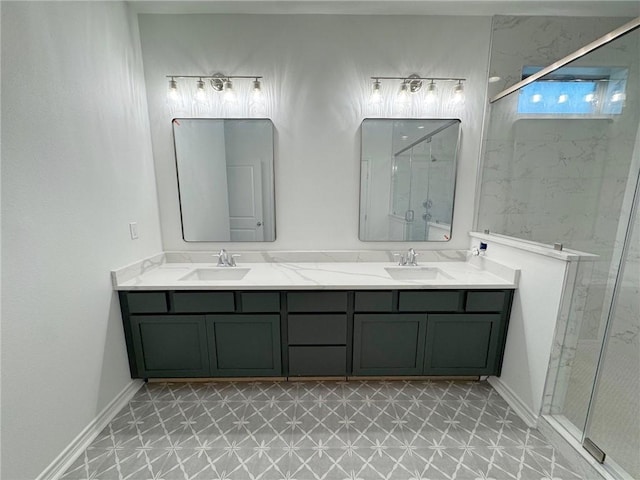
(89, 433)
(518, 406)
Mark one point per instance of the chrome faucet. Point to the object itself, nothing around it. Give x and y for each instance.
(411, 258)
(407, 259)
(225, 259)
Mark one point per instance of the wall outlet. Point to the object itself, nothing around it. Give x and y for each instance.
(133, 230)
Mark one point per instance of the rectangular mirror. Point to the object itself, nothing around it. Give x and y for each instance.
(407, 179)
(225, 179)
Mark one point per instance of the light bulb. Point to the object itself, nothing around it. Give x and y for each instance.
(432, 91)
(536, 98)
(403, 94)
(229, 93)
(376, 96)
(618, 97)
(458, 93)
(173, 90)
(563, 98)
(590, 97)
(201, 94)
(257, 90)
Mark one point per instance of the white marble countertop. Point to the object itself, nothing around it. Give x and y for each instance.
(477, 273)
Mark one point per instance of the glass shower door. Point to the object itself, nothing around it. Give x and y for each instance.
(613, 422)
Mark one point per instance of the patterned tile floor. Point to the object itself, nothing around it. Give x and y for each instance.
(404, 430)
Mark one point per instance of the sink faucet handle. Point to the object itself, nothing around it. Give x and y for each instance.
(401, 259)
(232, 259)
(411, 257)
(223, 258)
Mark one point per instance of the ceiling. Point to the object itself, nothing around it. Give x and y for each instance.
(609, 8)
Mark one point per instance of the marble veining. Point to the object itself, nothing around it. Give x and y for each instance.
(136, 269)
(321, 275)
(319, 256)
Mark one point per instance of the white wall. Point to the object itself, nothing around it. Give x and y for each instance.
(76, 169)
(532, 325)
(316, 79)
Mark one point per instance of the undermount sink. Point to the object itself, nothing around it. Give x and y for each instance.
(417, 273)
(212, 274)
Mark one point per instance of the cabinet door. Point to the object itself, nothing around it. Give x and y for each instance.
(170, 346)
(388, 344)
(244, 345)
(462, 344)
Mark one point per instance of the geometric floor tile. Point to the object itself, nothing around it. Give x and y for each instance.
(364, 430)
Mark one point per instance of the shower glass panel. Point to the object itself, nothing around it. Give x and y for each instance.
(614, 415)
(421, 192)
(570, 178)
(407, 182)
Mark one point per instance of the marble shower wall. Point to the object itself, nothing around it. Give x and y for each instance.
(551, 179)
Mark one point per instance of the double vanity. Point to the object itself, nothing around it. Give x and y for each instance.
(186, 319)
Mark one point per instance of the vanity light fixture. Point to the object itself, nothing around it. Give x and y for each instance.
(173, 89)
(257, 90)
(229, 93)
(219, 83)
(458, 93)
(403, 94)
(413, 84)
(376, 96)
(618, 96)
(432, 91)
(201, 94)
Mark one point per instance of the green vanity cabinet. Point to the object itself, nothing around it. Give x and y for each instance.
(455, 332)
(170, 345)
(430, 332)
(318, 333)
(469, 343)
(462, 344)
(202, 334)
(244, 345)
(388, 343)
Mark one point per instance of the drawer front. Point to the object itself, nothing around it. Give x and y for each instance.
(317, 329)
(317, 302)
(485, 301)
(147, 302)
(374, 301)
(317, 361)
(203, 302)
(261, 302)
(431, 301)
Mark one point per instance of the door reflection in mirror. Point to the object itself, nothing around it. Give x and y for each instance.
(407, 181)
(225, 179)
